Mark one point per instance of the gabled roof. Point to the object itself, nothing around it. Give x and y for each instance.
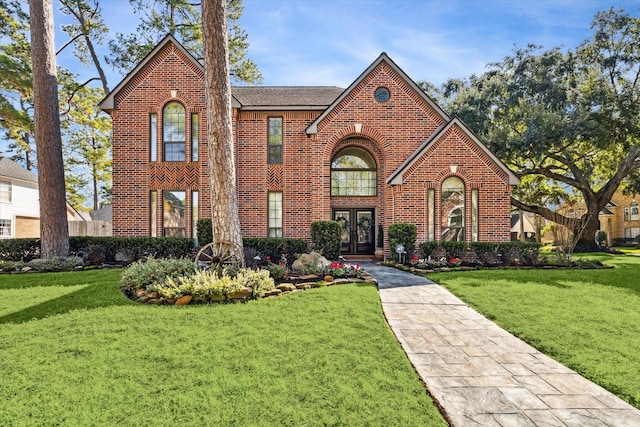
(285, 97)
(313, 127)
(396, 177)
(108, 103)
(10, 169)
(245, 97)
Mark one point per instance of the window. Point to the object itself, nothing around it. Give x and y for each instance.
(153, 216)
(194, 137)
(194, 217)
(353, 173)
(626, 214)
(5, 228)
(275, 214)
(275, 140)
(5, 191)
(627, 233)
(634, 211)
(173, 213)
(474, 214)
(173, 132)
(635, 231)
(452, 210)
(153, 137)
(431, 219)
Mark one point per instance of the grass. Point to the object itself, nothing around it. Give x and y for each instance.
(75, 352)
(589, 320)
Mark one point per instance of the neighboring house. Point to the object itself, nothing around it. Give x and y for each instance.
(620, 219)
(20, 207)
(526, 226)
(375, 153)
(19, 201)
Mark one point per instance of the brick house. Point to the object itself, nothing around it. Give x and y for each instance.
(375, 153)
(620, 219)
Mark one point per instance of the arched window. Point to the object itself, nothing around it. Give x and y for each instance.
(634, 211)
(452, 209)
(353, 173)
(173, 132)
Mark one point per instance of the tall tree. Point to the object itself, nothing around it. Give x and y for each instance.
(54, 232)
(182, 19)
(225, 219)
(87, 146)
(16, 93)
(572, 118)
(87, 31)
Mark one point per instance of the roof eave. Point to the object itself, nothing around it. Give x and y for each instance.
(108, 102)
(313, 127)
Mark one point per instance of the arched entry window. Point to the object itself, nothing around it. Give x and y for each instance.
(173, 132)
(452, 209)
(353, 173)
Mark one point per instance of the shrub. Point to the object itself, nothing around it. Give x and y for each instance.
(153, 272)
(55, 263)
(210, 285)
(274, 247)
(404, 234)
(12, 265)
(19, 249)
(326, 238)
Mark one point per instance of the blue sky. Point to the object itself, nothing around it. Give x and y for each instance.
(330, 42)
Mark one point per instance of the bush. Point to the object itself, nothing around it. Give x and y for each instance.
(210, 285)
(55, 264)
(19, 249)
(488, 253)
(129, 249)
(12, 265)
(276, 247)
(326, 238)
(153, 272)
(273, 247)
(404, 234)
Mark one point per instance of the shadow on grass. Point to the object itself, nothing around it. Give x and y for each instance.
(92, 296)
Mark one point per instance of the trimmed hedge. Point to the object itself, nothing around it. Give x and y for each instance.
(273, 247)
(405, 234)
(96, 250)
(326, 238)
(488, 253)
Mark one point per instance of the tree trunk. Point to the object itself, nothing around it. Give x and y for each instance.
(54, 232)
(225, 219)
(587, 229)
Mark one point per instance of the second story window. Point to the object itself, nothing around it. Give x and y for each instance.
(5, 191)
(173, 132)
(275, 140)
(634, 211)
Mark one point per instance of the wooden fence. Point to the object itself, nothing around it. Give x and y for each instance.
(90, 228)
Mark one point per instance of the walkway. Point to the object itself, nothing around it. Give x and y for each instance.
(479, 374)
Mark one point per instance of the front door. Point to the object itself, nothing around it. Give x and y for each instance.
(357, 230)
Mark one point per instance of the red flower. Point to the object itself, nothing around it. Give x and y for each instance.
(415, 258)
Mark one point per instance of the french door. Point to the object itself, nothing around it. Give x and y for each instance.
(358, 228)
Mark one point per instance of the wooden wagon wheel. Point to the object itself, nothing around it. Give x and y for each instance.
(221, 253)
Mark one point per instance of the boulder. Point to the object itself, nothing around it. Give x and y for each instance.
(286, 287)
(184, 300)
(328, 278)
(313, 259)
(242, 293)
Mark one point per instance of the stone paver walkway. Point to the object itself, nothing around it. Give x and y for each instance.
(479, 374)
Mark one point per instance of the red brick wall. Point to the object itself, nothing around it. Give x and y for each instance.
(390, 131)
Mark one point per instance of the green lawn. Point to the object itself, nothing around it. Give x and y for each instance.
(75, 352)
(589, 320)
